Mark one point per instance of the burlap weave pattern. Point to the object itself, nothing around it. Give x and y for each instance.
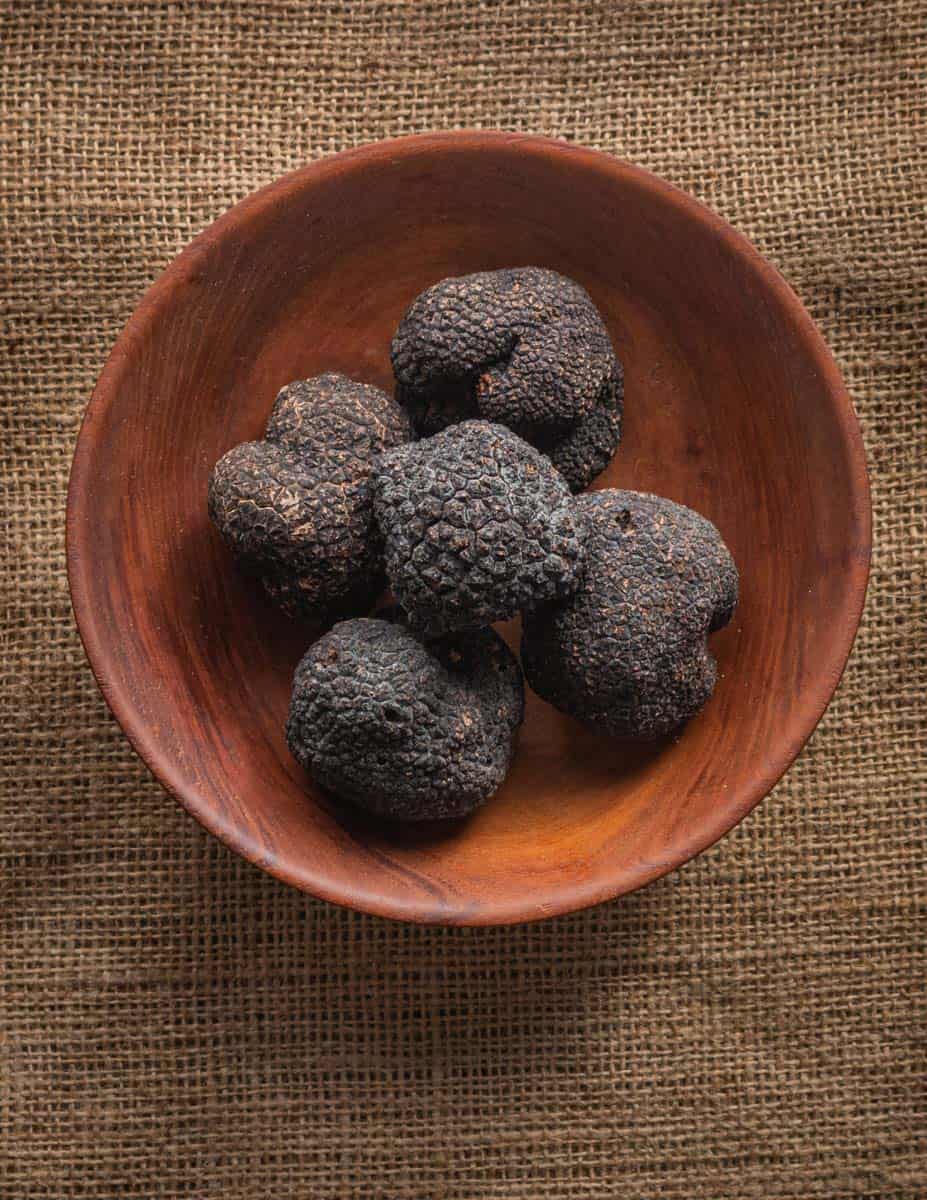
(174, 1023)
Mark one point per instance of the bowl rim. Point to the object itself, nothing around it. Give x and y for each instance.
(810, 704)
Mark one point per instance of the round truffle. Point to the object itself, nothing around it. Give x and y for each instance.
(296, 510)
(404, 728)
(476, 525)
(627, 653)
(523, 346)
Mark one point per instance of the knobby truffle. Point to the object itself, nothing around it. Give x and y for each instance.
(405, 728)
(295, 509)
(477, 525)
(525, 347)
(628, 653)
(336, 421)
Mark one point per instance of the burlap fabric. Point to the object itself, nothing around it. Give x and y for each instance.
(176, 1024)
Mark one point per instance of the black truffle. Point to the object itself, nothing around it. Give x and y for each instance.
(295, 509)
(523, 346)
(586, 448)
(477, 525)
(404, 728)
(337, 421)
(627, 653)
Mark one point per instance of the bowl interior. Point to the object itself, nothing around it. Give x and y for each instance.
(733, 407)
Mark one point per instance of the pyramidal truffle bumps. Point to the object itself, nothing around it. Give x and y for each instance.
(405, 728)
(295, 509)
(523, 346)
(627, 653)
(476, 525)
(336, 421)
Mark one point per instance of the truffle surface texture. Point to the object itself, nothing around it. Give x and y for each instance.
(585, 449)
(627, 653)
(295, 509)
(402, 727)
(477, 525)
(336, 420)
(523, 346)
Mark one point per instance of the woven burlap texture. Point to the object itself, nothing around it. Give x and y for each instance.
(175, 1023)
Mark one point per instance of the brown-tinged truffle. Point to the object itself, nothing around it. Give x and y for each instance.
(402, 727)
(627, 653)
(336, 420)
(585, 449)
(476, 524)
(295, 509)
(523, 346)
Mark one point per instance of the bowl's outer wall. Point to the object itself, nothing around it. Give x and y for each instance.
(733, 406)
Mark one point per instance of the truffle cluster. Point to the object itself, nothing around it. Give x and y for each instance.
(295, 509)
(525, 347)
(510, 384)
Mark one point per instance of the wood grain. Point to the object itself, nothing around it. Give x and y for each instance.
(734, 406)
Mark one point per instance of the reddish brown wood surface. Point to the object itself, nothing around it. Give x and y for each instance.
(734, 406)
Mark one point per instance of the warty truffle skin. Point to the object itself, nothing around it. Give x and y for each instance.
(295, 509)
(585, 449)
(403, 728)
(627, 653)
(476, 525)
(336, 420)
(523, 346)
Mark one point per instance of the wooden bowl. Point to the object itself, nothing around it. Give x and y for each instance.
(734, 406)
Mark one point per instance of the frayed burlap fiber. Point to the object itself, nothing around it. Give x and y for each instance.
(174, 1023)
